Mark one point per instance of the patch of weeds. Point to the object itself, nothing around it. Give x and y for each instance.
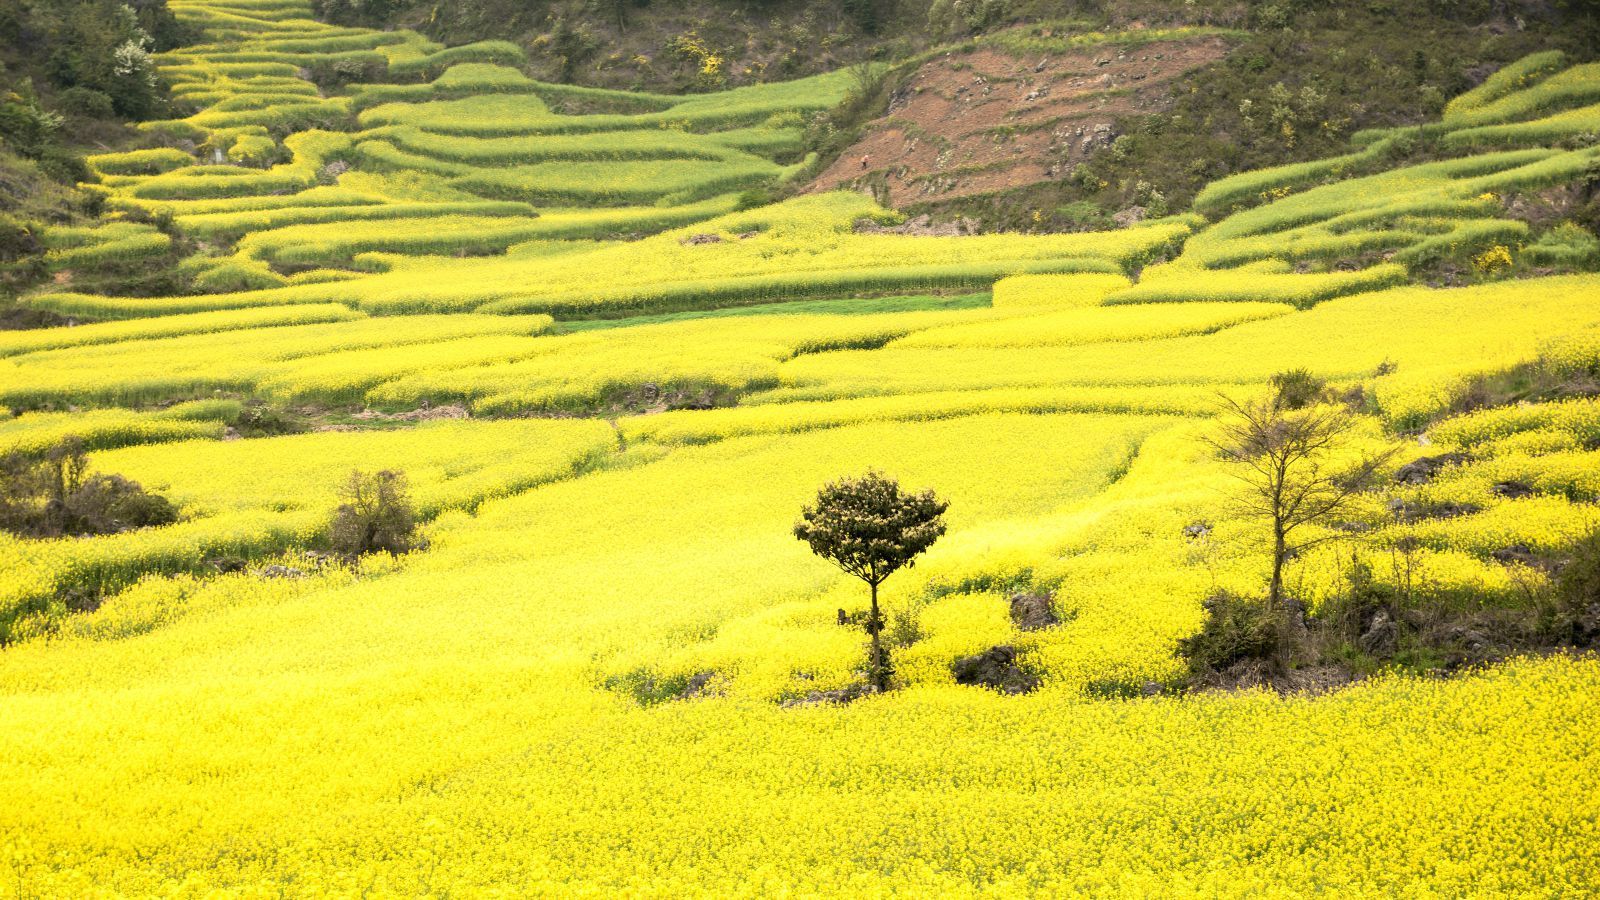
(1122, 689)
(905, 626)
(1236, 629)
(647, 687)
(259, 420)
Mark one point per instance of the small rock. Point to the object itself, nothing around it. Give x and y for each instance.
(1296, 613)
(837, 696)
(330, 173)
(423, 413)
(280, 571)
(696, 686)
(702, 401)
(1422, 469)
(1129, 216)
(1450, 510)
(995, 668)
(702, 239)
(1511, 490)
(1447, 509)
(1516, 554)
(226, 564)
(1467, 638)
(1032, 612)
(1382, 635)
(1586, 625)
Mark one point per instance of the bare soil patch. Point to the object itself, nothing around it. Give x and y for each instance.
(985, 121)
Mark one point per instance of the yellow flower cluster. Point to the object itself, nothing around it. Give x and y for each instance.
(1055, 290)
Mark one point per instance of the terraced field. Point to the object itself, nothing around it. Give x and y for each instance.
(614, 372)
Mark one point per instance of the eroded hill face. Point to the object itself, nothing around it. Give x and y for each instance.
(991, 119)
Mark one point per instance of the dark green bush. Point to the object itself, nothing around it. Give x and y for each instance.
(17, 239)
(374, 13)
(54, 496)
(1578, 592)
(1298, 389)
(25, 124)
(96, 52)
(1236, 628)
(64, 166)
(266, 421)
(85, 101)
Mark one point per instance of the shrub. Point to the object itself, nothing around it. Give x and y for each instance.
(1578, 590)
(106, 504)
(53, 496)
(756, 197)
(265, 421)
(1492, 261)
(18, 239)
(1298, 388)
(84, 101)
(376, 515)
(1236, 628)
(1567, 244)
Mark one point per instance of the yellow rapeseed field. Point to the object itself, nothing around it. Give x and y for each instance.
(612, 392)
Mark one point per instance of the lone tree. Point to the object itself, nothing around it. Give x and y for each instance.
(870, 528)
(1285, 447)
(376, 515)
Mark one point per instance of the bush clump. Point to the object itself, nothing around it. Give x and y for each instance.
(54, 495)
(1236, 628)
(1298, 389)
(376, 515)
(1578, 593)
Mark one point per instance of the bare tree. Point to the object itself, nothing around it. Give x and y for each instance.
(1285, 456)
(870, 528)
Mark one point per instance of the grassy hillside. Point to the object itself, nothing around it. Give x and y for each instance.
(606, 349)
(1298, 80)
(72, 74)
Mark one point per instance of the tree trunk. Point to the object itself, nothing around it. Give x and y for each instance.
(1275, 589)
(880, 679)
